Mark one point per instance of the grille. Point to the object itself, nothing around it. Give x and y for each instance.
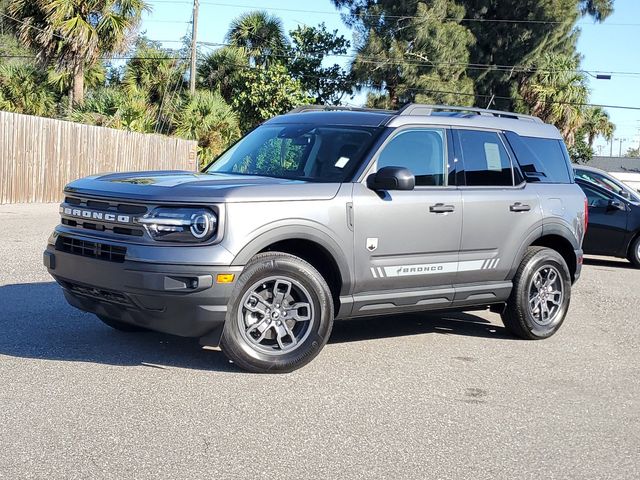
(98, 293)
(107, 206)
(83, 248)
(113, 207)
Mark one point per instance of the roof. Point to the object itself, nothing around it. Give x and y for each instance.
(412, 114)
(616, 164)
(336, 117)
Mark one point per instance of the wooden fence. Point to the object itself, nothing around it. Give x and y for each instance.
(39, 156)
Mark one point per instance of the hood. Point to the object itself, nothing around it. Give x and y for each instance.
(190, 187)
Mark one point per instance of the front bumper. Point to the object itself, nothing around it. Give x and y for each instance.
(182, 300)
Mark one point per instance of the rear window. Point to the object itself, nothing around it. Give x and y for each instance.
(541, 159)
(486, 162)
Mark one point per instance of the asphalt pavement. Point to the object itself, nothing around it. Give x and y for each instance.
(412, 397)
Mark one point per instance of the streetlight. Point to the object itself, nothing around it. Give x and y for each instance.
(620, 147)
(599, 76)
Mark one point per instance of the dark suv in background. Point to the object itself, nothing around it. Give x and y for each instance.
(331, 213)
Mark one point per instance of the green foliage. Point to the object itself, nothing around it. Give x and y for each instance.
(222, 70)
(596, 122)
(207, 118)
(411, 50)
(633, 152)
(261, 35)
(580, 151)
(154, 71)
(61, 81)
(24, 89)
(310, 46)
(69, 34)
(267, 92)
(115, 108)
(556, 92)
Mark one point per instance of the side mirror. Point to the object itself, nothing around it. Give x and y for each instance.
(391, 178)
(615, 205)
(625, 194)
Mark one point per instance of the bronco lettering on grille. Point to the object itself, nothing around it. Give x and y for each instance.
(93, 215)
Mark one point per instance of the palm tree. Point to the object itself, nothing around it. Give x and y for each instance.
(261, 34)
(154, 71)
(116, 108)
(597, 122)
(207, 118)
(72, 34)
(557, 93)
(24, 89)
(221, 69)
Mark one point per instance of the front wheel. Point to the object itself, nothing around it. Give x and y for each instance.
(634, 252)
(540, 297)
(280, 315)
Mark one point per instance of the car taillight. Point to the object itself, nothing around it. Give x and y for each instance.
(586, 214)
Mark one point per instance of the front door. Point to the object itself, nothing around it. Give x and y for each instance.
(406, 242)
(607, 227)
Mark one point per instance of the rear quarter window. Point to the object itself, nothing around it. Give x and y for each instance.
(541, 159)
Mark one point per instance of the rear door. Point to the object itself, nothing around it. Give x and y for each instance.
(499, 209)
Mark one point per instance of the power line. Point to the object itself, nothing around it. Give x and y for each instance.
(401, 17)
(470, 66)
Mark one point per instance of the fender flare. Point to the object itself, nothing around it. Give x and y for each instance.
(559, 229)
(302, 230)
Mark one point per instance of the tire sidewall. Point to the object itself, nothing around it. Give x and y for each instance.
(308, 277)
(634, 253)
(539, 260)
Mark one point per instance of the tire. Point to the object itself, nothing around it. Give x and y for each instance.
(122, 326)
(261, 334)
(634, 252)
(521, 317)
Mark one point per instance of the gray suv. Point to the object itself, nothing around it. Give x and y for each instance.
(331, 213)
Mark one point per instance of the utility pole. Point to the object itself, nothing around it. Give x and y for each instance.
(194, 39)
(611, 147)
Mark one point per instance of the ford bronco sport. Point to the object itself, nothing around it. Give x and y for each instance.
(331, 213)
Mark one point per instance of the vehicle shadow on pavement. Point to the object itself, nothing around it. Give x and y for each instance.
(613, 262)
(36, 322)
(451, 323)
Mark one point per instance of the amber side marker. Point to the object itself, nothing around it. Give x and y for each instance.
(225, 277)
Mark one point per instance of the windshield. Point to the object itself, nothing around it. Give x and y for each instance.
(299, 152)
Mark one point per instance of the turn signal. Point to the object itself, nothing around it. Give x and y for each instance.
(225, 277)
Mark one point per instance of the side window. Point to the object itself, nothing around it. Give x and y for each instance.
(486, 162)
(541, 159)
(595, 198)
(598, 180)
(421, 151)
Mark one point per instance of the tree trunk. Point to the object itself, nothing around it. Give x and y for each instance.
(393, 97)
(78, 85)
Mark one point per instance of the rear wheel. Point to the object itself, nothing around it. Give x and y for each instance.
(634, 252)
(280, 315)
(123, 327)
(540, 297)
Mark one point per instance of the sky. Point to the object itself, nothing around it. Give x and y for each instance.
(609, 47)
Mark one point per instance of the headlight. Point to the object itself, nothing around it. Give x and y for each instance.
(193, 225)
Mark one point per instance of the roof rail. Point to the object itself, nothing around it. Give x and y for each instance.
(419, 109)
(332, 108)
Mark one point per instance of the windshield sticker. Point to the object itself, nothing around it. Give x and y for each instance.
(492, 153)
(342, 161)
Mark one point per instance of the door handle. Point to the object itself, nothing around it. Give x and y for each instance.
(441, 208)
(519, 207)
